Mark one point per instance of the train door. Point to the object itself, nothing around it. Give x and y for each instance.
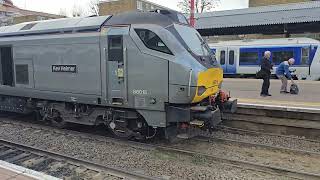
(221, 54)
(117, 65)
(227, 58)
(6, 62)
(231, 62)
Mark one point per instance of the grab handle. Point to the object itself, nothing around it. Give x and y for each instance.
(189, 84)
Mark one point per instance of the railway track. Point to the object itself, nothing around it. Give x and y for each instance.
(243, 131)
(164, 148)
(251, 144)
(292, 173)
(59, 165)
(246, 164)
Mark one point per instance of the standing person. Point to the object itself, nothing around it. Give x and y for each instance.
(266, 67)
(284, 74)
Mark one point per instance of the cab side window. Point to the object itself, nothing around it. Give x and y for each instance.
(152, 41)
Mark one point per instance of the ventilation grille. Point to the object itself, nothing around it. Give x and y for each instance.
(28, 26)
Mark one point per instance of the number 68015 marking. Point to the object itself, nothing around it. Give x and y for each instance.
(140, 92)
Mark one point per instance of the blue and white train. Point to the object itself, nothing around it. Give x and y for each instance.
(243, 57)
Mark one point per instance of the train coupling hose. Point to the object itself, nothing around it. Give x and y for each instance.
(224, 101)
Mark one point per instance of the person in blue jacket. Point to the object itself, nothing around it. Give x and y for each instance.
(284, 74)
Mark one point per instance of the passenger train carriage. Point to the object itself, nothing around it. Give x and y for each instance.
(243, 57)
(138, 73)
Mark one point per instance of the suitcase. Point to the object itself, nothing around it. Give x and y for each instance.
(294, 89)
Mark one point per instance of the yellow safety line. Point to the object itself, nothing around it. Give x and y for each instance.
(271, 102)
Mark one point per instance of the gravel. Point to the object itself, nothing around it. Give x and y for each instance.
(279, 141)
(293, 160)
(146, 161)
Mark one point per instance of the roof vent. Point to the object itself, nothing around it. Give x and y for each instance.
(28, 26)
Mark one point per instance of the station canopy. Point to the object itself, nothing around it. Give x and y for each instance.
(274, 19)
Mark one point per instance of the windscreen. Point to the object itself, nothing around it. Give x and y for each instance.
(193, 40)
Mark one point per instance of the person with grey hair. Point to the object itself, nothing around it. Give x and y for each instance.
(266, 68)
(284, 74)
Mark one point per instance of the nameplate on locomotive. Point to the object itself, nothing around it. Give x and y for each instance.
(64, 68)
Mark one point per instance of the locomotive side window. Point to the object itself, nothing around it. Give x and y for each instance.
(115, 48)
(222, 57)
(152, 41)
(280, 56)
(249, 58)
(231, 57)
(305, 56)
(22, 74)
(115, 43)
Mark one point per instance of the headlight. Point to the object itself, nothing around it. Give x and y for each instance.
(201, 90)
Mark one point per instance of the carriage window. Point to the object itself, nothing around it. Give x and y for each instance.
(305, 56)
(22, 74)
(280, 56)
(247, 58)
(152, 41)
(223, 57)
(231, 57)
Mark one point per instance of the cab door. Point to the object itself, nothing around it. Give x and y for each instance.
(117, 66)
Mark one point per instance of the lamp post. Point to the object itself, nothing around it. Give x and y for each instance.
(192, 20)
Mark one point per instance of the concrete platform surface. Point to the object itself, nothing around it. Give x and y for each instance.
(248, 91)
(13, 172)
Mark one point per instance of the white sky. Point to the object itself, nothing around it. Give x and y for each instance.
(54, 6)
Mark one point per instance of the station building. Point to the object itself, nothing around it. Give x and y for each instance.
(11, 14)
(108, 7)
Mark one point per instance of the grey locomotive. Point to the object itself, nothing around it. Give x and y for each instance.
(138, 73)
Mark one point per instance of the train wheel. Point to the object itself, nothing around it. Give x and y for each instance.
(119, 129)
(54, 117)
(58, 122)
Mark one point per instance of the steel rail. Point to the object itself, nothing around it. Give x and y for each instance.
(246, 143)
(244, 131)
(246, 164)
(75, 161)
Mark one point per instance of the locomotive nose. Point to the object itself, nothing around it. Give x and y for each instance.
(208, 84)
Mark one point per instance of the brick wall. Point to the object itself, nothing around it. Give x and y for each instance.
(254, 3)
(29, 18)
(120, 6)
(115, 7)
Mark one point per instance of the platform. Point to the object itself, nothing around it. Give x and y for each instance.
(247, 91)
(10, 171)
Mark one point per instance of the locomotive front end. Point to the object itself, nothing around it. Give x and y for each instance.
(209, 100)
(209, 84)
(203, 103)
